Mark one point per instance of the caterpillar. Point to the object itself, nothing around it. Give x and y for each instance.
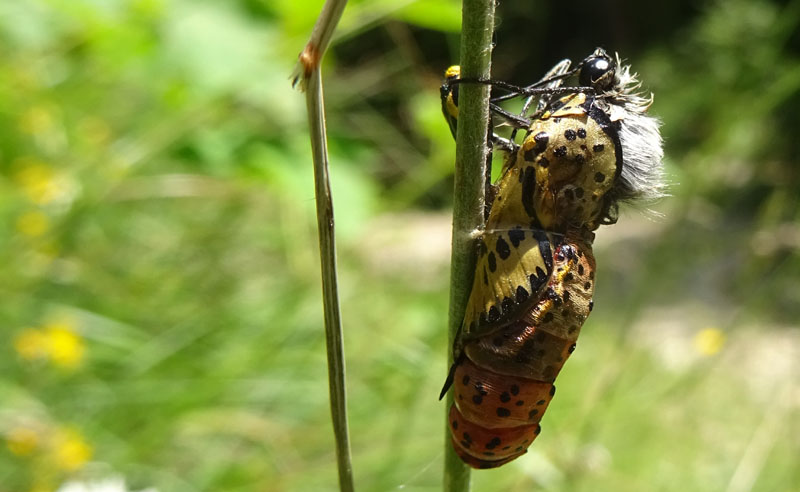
(586, 149)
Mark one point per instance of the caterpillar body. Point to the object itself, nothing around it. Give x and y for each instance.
(584, 152)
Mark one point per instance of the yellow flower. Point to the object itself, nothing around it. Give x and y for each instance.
(65, 346)
(33, 223)
(22, 441)
(39, 181)
(70, 450)
(31, 344)
(709, 341)
(57, 340)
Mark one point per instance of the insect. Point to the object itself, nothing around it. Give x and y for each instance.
(586, 149)
(449, 97)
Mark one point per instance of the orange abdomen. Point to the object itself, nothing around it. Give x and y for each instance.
(504, 382)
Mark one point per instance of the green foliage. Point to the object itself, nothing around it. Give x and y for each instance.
(160, 288)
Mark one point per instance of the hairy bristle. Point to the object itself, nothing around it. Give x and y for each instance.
(642, 175)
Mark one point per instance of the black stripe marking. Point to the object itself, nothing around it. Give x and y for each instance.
(494, 314)
(522, 294)
(502, 248)
(541, 139)
(528, 189)
(507, 305)
(608, 127)
(556, 105)
(545, 249)
(482, 249)
(492, 262)
(516, 236)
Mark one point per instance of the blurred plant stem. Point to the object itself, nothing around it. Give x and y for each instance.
(468, 203)
(309, 64)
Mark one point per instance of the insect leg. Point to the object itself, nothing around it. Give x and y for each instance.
(449, 98)
(451, 375)
(551, 80)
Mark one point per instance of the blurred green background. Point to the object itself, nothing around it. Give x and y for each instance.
(160, 294)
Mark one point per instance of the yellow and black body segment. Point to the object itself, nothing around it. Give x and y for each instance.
(583, 146)
(449, 96)
(535, 273)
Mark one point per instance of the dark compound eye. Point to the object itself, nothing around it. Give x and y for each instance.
(597, 72)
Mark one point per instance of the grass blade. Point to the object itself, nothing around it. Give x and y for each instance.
(309, 75)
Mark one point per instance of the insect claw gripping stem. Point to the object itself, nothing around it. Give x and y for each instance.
(450, 375)
(516, 121)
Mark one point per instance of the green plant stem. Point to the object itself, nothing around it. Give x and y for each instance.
(330, 290)
(471, 153)
(309, 70)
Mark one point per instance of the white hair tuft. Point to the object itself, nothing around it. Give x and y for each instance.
(642, 175)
